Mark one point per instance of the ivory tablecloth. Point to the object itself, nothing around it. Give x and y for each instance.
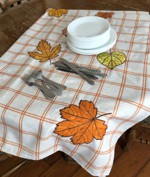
(28, 120)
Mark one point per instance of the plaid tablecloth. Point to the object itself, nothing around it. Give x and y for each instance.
(28, 120)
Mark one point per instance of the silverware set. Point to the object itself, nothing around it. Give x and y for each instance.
(87, 74)
(49, 88)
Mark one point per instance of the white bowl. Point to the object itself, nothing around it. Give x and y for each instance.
(104, 48)
(88, 32)
(88, 44)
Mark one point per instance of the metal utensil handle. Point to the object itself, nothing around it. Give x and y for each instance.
(65, 69)
(59, 86)
(83, 67)
(70, 65)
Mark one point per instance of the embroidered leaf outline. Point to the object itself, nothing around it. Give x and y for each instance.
(45, 51)
(111, 60)
(105, 14)
(57, 12)
(81, 123)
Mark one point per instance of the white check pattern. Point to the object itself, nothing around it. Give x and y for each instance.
(27, 119)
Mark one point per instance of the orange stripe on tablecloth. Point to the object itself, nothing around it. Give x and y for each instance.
(3, 116)
(119, 96)
(57, 140)
(126, 86)
(41, 98)
(61, 26)
(141, 43)
(33, 99)
(21, 119)
(136, 61)
(29, 133)
(85, 65)
(125, 33)
(84, 92)
(59, 72)
(33, 116)
(4, 133)
(130, 34)
(131, 19)
(66, 75)
(144, 79)
(82, 157)
(143, 93)
(123, 50)
(135, 51)
(51, 121)
(76, 94)
(48, 39)
(98, 153)
(16, 145)
(101, 144)
(65, 148)
(44, 31)
(49, 106)
(29, 150)
(81, 82)
(99, 90)
(126, 26)
(93, 166)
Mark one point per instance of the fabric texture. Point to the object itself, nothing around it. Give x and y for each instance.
(28, 120)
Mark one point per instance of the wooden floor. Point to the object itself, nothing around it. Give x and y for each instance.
(133, 163)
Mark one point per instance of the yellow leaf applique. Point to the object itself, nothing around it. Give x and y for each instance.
(111, 60)
(45, 51)
(81, 123)
(57, 12)
(105, 14)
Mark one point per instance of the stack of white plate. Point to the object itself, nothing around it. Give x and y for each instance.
(90, 35)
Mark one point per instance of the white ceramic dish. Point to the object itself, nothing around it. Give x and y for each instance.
(107, 46)
(88, 32)
(89, 44)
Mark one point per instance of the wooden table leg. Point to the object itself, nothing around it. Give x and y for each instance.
(130, 137)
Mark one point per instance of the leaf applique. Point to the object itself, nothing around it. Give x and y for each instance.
(64, 32)
(45, 51)
(81, 123)
(57, 12)
(105, 14)
(111, 60)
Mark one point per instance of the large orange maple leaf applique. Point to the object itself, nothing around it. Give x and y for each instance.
(57, 12)
(81, 123)
(45, 51)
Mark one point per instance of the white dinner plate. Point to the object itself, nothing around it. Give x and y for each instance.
(89, 28)
(105, 47)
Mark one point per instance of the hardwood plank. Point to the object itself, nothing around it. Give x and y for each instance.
(82, 173)
(14, 23)
(130, 162)
(61, 169)
(9, 164)
(145, 172)
(36, 168)
(11, 171)
(92, 4)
